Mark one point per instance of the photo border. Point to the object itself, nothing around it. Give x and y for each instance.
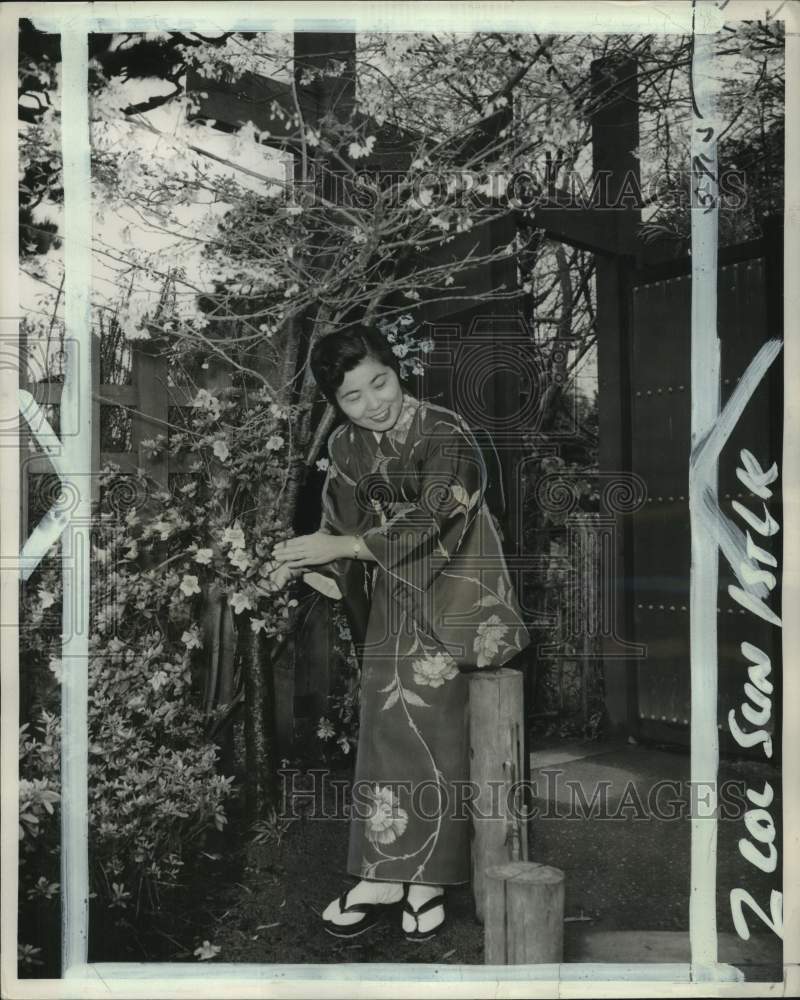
(173, 979)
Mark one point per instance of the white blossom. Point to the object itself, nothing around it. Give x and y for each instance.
(234, 536)
(207, 950)
(221, 450)
(158, 680)
(325, 730)
(46, 598)
(240, 559)
(189, 585)
(240, 603)
(357, 151)
(55, 668)
(191, 639)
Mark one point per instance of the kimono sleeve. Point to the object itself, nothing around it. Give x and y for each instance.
(416, 543)
(324, 581)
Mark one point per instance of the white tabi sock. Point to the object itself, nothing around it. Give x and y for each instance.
(417, 895)
(367, 891)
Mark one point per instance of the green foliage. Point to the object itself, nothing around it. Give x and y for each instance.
(154, 786)
(270, 830)
(39, 139)
(218, 526)
(38, 810)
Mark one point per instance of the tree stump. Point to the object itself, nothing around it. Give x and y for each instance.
(496, 740)
(524, 914)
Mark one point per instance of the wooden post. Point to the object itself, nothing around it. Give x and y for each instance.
(615, 137)
(496, 740)
(524, 914)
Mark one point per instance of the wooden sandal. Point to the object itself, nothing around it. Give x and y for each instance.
(429, 904)
(372, 914)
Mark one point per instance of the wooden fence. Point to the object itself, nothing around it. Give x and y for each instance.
(124, 415)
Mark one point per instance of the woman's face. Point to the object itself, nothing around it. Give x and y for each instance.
(371, 395)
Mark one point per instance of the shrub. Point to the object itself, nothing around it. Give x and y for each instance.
(154, 790)
(158, 555)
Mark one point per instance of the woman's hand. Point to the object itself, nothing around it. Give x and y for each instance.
(281, 575)
(310, 550)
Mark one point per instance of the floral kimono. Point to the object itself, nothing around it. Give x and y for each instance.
(437, 603)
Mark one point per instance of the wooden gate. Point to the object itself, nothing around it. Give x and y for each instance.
(657, 559)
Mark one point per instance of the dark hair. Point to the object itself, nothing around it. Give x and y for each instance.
(335, 354)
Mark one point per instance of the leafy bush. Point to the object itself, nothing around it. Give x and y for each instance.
(38, 809)
(158, 555)
(153, 786)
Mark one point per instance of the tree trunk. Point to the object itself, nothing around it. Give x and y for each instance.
(256, 655)
(305, 397)
(259, 722)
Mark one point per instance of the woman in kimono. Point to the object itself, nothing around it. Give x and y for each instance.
(407, 542)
